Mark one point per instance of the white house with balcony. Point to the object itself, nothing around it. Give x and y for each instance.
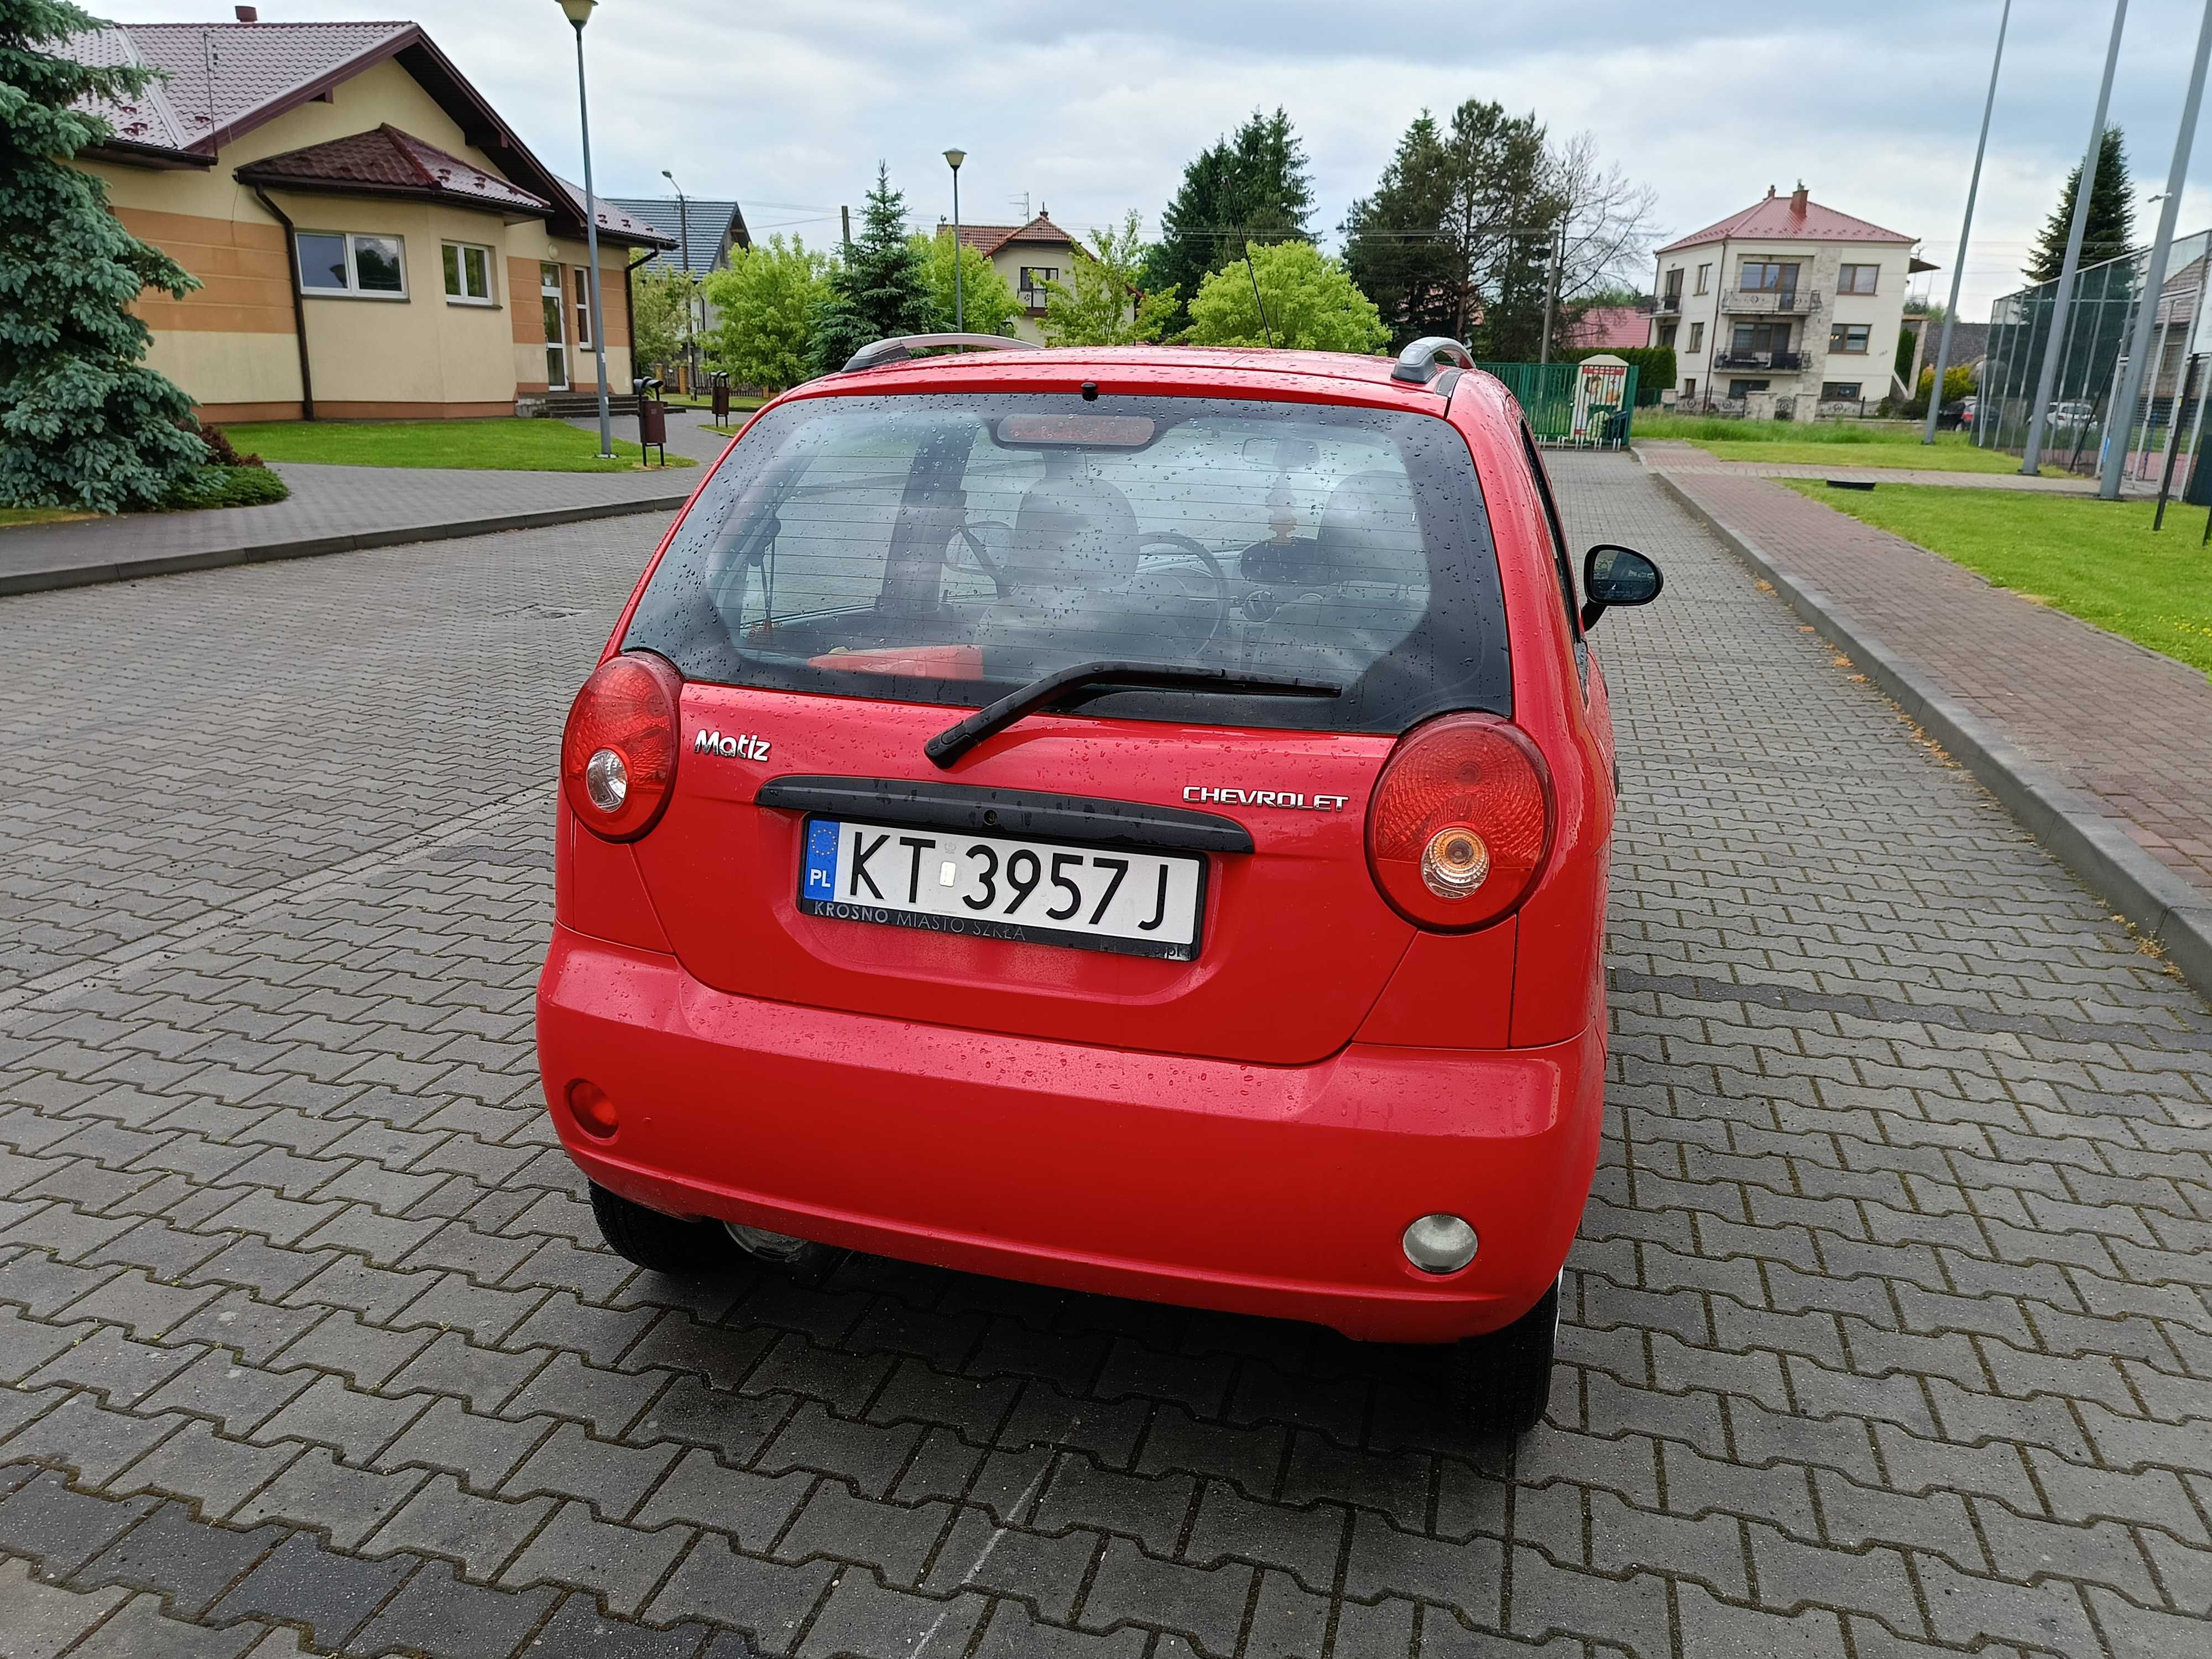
(1786, 306)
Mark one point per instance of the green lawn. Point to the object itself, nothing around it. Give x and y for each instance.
(2097, 560)
(521, 446)
(16, 515)
(1825, 443)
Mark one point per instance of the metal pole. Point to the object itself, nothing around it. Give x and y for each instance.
(2032, 461)
(1551, 290)
(2150, 399)
(2166, 483)
(2108, 484)
(684, 229)
(1958, 264)
(592, 239)
(959, 314)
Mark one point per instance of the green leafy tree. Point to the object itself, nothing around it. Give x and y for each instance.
(1312, 304)
(988, 305)
(2109, 230)
(662, 300)
(764, 303)
(880, 288)
(1251, 186)
(1103, 302)
(1459, 229)
(83, 421)
(1957, 383)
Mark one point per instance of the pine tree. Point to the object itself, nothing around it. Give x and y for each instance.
(880, 288)
(83, 421)
(1251, 186)
(2109, 230)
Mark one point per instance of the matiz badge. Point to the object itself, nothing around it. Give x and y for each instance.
(745, 748)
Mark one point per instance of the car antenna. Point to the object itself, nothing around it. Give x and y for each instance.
(1252, 271)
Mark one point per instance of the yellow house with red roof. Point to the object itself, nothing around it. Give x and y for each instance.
(372, 240)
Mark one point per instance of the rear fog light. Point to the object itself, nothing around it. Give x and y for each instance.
(595, 1112)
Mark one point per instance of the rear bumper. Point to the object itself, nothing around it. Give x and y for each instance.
(1279, 1191)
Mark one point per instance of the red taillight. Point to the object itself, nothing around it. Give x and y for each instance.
(1459, 823)
(618, 753)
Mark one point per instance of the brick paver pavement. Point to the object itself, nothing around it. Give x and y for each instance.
(2128, 726)
(332, 501)
(1885, 1334)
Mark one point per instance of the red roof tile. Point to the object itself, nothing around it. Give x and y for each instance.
(1778, 218)
(385, 161)
(989, 238)
(1610, 328)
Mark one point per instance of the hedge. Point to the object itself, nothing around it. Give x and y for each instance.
(1654, 366)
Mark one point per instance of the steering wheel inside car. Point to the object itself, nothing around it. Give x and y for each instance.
(1197, 549)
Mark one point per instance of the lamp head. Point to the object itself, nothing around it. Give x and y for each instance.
(578, 12)
(955, 157)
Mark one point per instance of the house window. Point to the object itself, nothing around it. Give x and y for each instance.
(1697, 336)
(1850, 338)
(1031, 288)
(1840, 392)
(1760, 336)
(1704, 278)
(583, 308)
(1666, 335)
(1764, 276)
(1690, 386)
(361, 267)
(1856, 279)
(1673, 289)
(1745, 388)
(468, 274)
(551, 303)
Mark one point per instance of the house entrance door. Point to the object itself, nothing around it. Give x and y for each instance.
(551, 297)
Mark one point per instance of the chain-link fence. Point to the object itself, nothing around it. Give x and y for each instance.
(2080, 419)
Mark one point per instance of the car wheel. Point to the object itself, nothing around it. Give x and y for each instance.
(660, 1242)
(1504, 1380)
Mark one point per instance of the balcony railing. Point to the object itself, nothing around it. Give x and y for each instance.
(1772, 301)
(1768, 360)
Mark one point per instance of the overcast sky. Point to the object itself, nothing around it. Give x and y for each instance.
(1092, 110)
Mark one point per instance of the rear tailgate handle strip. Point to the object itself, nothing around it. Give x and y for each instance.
(1008, 812)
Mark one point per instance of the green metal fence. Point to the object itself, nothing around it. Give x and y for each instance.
(1584, 405)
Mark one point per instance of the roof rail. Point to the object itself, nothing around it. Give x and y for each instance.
(1418, 361)
(878, 353)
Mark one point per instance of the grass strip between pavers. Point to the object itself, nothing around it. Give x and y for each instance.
(2096, 560)
(509, 444)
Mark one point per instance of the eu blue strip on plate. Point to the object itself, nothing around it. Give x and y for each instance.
(822, 836)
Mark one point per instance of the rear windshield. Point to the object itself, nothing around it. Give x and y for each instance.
(949, 548)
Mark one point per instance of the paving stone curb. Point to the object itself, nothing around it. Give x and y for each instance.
(214, 558)
(2089, 841)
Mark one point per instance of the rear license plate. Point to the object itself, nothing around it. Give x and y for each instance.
(1092, 898)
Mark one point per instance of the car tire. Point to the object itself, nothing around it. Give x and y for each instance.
(1504, 1379)
(660, 1243)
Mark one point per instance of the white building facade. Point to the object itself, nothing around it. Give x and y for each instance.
(1788, 307)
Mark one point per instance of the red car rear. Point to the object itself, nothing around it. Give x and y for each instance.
(1132, 820)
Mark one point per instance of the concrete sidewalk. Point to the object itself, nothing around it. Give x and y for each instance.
(2101, 747)
(335, 509)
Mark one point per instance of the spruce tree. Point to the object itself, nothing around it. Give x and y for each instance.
(1251, 186)
(83, 421)
(880, 288)
(2110, 229)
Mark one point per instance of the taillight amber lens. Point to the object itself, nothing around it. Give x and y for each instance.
(1461, 823)
(618, 753)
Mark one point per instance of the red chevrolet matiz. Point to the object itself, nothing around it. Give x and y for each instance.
(1132, 820)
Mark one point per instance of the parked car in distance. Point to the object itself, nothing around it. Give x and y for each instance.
(1132, 820)
(2071, 414)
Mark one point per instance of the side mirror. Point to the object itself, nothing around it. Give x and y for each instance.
(1617, 575)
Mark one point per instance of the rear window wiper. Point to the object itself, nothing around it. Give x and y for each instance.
(946, 748)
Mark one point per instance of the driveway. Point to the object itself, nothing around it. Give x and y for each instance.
(1886, 1331)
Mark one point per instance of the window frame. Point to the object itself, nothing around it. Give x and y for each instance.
(1794, 270)
(1024, 289)
(1831, 391)
(583, 309)
(1697, 336)
(489, 298)
(1843, 285)
(1705, 276)
(1865, 331)
(352, 289)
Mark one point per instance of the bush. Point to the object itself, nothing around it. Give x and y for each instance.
(1957, 383)
(221, 452)
(253, 485)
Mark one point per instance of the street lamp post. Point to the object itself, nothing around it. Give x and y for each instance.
(579, 13)
(684, 229)
(953, 158)
(1965, 229)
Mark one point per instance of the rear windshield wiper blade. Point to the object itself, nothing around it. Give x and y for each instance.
(946, 748)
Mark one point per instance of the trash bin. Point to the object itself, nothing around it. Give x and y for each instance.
(721, 383)
(652, 417)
